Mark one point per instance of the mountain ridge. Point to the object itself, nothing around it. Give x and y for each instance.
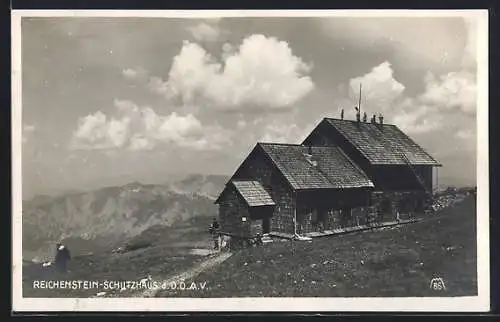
(112, 214)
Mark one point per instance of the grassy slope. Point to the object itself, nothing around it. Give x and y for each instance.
(167, 255)
(392, 262)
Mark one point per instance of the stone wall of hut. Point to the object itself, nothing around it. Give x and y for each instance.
(234, 217)
(408, 203)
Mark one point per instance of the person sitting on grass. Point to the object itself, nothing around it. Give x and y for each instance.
(62, 258)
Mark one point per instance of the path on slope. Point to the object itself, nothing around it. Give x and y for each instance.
(188, 274)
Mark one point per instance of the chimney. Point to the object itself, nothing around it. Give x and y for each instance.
(358, 116)
(381, 119)
(309, 156)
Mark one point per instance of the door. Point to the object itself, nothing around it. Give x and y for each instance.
(266, 226)
(385, 210)
(256, 227)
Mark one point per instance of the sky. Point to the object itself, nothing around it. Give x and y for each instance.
(107, 101)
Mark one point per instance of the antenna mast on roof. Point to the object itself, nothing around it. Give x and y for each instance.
(359, 104)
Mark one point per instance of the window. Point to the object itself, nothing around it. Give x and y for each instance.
(314, 216)
(385, 206)
(346, 214)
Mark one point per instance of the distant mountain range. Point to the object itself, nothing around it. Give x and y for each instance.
(204, 185)
(107, 215)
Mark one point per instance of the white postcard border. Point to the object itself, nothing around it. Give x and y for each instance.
(478, 303)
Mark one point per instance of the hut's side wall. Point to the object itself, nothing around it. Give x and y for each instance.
(231, 211)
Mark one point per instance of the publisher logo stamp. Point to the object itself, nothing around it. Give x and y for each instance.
(437, 284)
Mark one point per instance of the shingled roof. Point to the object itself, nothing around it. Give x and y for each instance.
(382, 144)
(329, 167)
(254, 193)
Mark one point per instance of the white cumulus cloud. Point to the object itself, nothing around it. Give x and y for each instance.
(97, 131)
(414, 118)
(262, 72)
(141, 128)
(456, 90)
(379, 87)
(446, 100)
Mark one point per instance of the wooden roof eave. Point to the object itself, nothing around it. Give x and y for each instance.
(437, 164)
(369, 187)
